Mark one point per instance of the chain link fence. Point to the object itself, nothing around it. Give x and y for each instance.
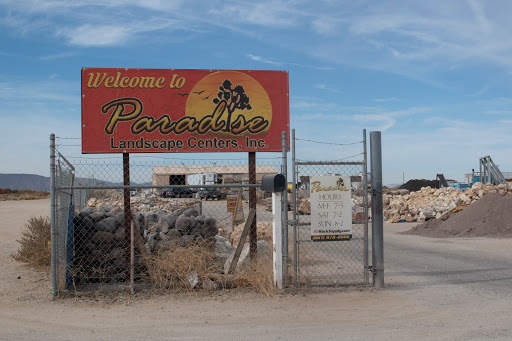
(109, 231)
(331, 263)
(175, 204)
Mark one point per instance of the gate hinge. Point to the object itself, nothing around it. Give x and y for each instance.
(371, 269)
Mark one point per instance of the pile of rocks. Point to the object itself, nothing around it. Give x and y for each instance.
(140, 203)
(100, 236)
(427, 203)
(430, 203)
(100, 251)
(304, 206)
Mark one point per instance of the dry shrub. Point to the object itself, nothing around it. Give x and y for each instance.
(260, 276)
(176, 268)
(34, 246)
(26, 194)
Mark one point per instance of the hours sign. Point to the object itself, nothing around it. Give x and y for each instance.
(331, 212)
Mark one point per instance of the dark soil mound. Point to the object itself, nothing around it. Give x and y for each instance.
(415, 184)
(490, 216)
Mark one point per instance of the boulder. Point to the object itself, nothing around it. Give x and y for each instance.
(102, 237)
(191, 212)
(170, 219)
(174, 234)
(97, 215)
(120, 218)
(107, 224)
(150, 219)
(120, 233)
(182, 223)
(209, 228)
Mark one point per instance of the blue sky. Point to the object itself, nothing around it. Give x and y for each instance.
(433, 76)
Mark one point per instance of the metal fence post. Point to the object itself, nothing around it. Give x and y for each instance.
(377, 218)
(285, 210)
(53, 237)
(294, 189)
(365, 204)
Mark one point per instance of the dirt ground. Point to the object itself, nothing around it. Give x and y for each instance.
(436, 290)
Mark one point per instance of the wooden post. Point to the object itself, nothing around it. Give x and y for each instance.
(127, 212)
(253, 234)
(277, 238)
(241, 242)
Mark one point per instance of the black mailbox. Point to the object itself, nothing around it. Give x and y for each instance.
(273, 183)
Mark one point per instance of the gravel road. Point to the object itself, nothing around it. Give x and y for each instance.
(436, 289)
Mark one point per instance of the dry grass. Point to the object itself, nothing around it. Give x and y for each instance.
(34, 246)
(176, 268)
(259, 276)
(26, 194)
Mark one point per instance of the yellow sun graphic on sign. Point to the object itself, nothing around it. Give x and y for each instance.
(235, 100)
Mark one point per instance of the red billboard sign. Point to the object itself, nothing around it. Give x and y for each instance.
(168, 111)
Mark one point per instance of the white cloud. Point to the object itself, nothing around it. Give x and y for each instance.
(271, 62)
(325, 25)
(61, 55)
(111, 35)
(263, 60)
(273, 14)
(380, 122)
(323, 86)
(93, 35)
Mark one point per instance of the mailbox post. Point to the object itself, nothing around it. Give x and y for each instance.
(276, 183)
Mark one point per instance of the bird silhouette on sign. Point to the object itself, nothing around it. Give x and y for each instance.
(198, 92)
(182, 95)
(208, 96)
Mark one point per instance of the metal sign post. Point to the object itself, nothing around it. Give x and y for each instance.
(127, 210)
(253, 234)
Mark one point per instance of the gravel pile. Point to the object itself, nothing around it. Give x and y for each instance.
(490, 216)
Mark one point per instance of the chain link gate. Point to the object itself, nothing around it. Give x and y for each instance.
(330, 263)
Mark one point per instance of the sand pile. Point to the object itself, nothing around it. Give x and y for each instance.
(491, 216)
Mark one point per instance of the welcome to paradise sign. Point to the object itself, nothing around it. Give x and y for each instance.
(170, 110)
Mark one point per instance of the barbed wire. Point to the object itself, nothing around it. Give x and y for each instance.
(329, 143)
(345, 158)
(168, 158)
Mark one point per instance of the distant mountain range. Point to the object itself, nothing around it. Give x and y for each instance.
(25, 181)
(42, 183)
